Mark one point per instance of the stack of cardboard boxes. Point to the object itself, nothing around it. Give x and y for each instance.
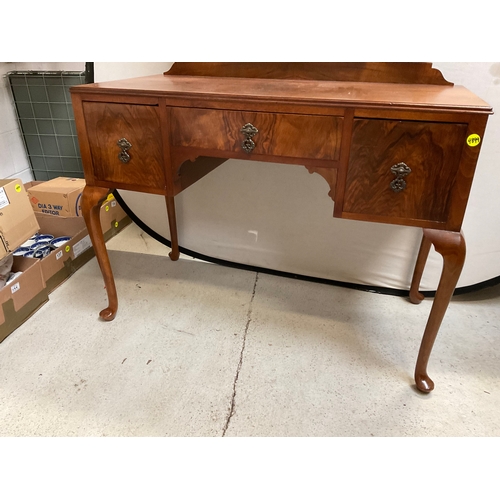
(49, 208)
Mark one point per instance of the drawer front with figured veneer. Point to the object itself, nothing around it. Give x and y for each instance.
(402, 171)
(269, 134)
(125, 143)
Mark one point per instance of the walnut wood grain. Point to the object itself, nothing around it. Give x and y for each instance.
(344, 162)
(92, 198)
(212, 91)
(431, 150)
(415, 296)
(106, 124)
(288, 135)
(172, 222)
(180, 155)
(402, 72)
(459, 196)
(452, 247)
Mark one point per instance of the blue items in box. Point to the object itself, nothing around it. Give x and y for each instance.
(40, 245)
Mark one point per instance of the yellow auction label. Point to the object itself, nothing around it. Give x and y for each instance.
(110, 197)
(68, 248)
(18, 188)
(107, 208)
(473, 140)
(116, 224)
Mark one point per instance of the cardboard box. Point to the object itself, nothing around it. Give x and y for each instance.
(60, 196)
(23, 296)
(113, 218)
(27, 293)
(17, 220)
(30, 184)
(62, 262)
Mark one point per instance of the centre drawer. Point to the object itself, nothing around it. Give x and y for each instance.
(270, 134)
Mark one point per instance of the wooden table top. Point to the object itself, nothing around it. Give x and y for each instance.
(365, 94)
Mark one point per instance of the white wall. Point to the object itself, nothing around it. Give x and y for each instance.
(106, 71)
(13, 158)
(280, 217)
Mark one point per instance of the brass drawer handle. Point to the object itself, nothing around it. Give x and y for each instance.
(400, 170)
(248, 131)
(123, 156)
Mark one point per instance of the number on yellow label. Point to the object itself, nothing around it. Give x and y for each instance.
(473, 140)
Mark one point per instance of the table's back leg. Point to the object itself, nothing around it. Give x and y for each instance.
(415, 296)
(92, 199)
(172, 222)
(452, 248)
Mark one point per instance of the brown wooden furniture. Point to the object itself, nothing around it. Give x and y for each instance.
(396, 143)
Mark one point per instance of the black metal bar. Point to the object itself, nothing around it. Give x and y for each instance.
(89, 72)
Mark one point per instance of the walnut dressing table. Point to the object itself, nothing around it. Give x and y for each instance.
(396, 143)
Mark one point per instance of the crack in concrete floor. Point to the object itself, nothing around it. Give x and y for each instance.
(240, 362)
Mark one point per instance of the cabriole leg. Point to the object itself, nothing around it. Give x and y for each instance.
(92, 199)
(452, 248)
(172, 222)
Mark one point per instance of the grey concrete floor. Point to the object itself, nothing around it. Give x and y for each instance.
(199, 349)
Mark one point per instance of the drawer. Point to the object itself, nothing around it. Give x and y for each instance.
(285, 135)
(403, 171)
(138, 161)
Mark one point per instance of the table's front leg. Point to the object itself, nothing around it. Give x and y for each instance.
(451, 246)
(92, 199)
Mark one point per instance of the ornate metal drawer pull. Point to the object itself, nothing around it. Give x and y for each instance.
(123, 156)
(400, 170)
(248, 131)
